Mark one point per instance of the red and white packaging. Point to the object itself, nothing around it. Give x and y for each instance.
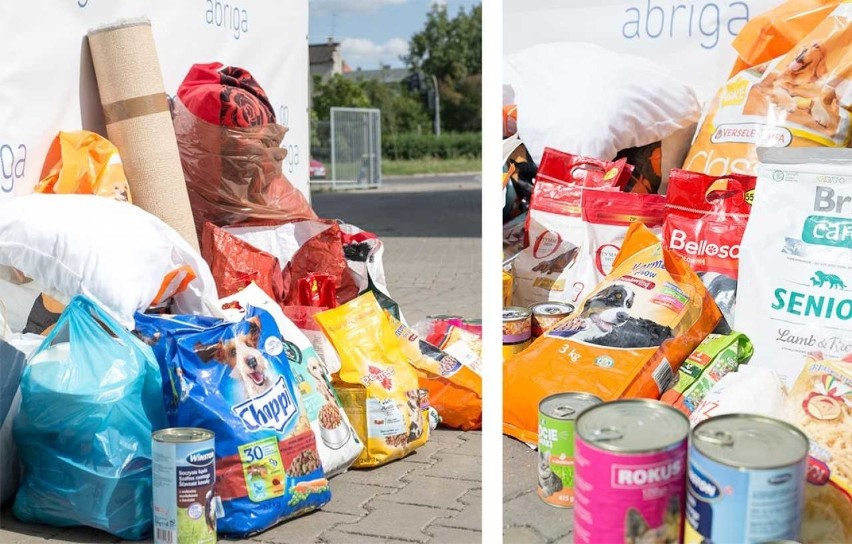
(706, 217)
(545, 270)
(608, 216)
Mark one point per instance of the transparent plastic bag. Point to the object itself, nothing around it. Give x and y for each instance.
(90, 399)
(234, 174)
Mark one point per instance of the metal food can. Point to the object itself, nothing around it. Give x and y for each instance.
(517, 330)
(547, 314)
(629, 472)
(473, 326)
(454, 320)
(556, 416)
(746, 480)
(184, 478)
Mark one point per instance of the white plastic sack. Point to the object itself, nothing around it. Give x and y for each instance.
(585, 100)
(338, 447)
(118, 255)
(795, 285)
(749, 390)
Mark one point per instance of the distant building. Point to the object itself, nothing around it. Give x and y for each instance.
(385, 74)
(325, 61)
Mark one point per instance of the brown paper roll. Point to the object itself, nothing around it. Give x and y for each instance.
(138, 122)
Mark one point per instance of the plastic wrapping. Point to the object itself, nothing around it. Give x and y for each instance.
(234, 173)
(90, 399)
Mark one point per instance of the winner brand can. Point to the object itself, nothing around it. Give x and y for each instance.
(184, 476)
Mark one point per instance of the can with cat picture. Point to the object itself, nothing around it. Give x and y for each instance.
(630, 473)
(556, 415)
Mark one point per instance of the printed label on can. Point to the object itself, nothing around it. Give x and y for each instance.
(628, 497)
(556, 460)
(184, 475)
(510, 350)
(730, 504)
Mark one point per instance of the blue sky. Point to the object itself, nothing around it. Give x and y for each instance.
(373, 32)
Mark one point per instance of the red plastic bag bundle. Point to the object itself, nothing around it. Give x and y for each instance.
(229, 147)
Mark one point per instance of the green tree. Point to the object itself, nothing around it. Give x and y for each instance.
(340, 92)
(401, 111)
(451, 50)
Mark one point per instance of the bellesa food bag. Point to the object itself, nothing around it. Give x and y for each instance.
(546, 269)
(706, 217)
(628, 338)
(376, 385)
(796, 258)
(798, 99)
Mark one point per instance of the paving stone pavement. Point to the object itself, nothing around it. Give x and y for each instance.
(526, 519)
(431, 230)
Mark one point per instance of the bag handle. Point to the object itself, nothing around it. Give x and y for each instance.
(724, 189)
(103, 319)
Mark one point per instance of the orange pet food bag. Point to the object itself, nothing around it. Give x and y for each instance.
(798, 99)
(376, 385)
(455, 389)
(83, 162)
(627, 338)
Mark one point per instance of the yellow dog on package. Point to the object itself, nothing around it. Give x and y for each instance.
(799, 99)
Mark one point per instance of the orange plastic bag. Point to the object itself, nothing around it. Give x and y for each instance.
(627, 339)
(455, 390)
(777, 31)
(795, 100)
(84, 163)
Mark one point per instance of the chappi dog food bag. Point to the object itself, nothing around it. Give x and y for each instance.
(337, 441)
(627, 339)
(796, 259)
(240, 386)
(376, 384)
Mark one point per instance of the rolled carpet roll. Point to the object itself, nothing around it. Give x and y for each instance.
(138, 121)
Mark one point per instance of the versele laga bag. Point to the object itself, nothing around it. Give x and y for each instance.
(796, 259)
(547, 269)
(706, 217)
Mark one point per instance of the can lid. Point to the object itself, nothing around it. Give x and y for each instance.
(567, 406)
(634, 426)
(750, 441)
(183, 434)
(551, 308)
(515, 312)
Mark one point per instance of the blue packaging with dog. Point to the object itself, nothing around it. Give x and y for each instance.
(240, 386)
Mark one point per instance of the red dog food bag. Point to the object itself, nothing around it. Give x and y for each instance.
(705, 221)
(546, 269)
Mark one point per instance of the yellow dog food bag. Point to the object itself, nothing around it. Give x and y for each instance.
(376, 385)
(798, 99)
(626, 339)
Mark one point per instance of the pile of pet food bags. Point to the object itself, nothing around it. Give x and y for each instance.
(280, 337)
(703, 261)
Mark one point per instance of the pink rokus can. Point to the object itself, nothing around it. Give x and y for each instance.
(630, 473)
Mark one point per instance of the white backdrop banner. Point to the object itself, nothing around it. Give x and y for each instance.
(692, 37)
(47, 82)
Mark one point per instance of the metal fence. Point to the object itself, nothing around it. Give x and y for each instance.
(354, 148)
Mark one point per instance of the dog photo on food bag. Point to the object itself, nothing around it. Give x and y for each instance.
(606, 321)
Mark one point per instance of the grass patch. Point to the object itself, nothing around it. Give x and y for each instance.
(430, 166)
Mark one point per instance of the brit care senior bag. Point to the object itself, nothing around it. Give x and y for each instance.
(240, 386)
(795, 287)
(376, 385)
(627, 339)
(337, 442)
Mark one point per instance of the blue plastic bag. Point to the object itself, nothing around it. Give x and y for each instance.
(153, 329)
(91, 396)
(241, 387)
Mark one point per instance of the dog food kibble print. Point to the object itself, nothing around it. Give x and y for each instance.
(556, 416)
(630, 467)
